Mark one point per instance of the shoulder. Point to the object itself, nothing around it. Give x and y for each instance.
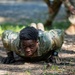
(9, 35)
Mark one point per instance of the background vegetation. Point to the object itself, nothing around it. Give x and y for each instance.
(18, 27)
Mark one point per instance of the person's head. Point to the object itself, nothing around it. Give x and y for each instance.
(29, 40)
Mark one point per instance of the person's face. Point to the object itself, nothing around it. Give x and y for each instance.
(29, 47)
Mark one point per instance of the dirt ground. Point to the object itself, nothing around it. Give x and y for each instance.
(67, 56)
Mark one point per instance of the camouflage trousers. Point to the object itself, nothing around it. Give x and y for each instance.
(53, 7)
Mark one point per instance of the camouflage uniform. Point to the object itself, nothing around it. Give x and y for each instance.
(70, 3)
(48, 40)
(54, 7)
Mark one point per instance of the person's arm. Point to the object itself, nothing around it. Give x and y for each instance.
(69, 6)
(7, 45)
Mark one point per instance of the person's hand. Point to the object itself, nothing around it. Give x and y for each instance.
(8, 60)
(72, 9)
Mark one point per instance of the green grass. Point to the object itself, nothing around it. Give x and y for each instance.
(59, 25)
(18, 27)
(8, 26)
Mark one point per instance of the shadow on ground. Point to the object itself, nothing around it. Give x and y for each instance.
(66, 67)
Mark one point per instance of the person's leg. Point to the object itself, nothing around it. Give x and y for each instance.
(33, 25)
(40, 26)
(53, 10)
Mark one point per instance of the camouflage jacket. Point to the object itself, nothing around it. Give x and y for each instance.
(48, 40)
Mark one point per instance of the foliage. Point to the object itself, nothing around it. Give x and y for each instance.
(18, 27)
(58, 25)
(61, 25)
(8, 26)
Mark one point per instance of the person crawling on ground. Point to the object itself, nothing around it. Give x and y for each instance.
(32, 44)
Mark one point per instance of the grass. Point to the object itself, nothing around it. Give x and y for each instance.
(18, 27)
(59, 25)
(12, 27)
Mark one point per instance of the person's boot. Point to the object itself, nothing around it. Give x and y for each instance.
(70, 30)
